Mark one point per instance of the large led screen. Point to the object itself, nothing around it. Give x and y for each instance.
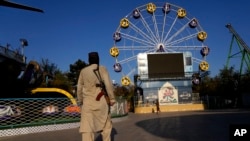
(165, 65)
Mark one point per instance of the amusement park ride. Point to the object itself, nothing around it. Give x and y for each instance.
(244, 50)
(7, 3)
(155, 34)
(13, 62)
(162, 45)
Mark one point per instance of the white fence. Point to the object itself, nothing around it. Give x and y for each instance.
(29, 115)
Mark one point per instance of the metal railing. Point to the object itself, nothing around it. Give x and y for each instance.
(14, 55)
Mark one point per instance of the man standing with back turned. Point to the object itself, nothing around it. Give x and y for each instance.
(95, 113)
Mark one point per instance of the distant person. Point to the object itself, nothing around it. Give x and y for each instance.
(157, 106)
(147, 103)
(95, 114)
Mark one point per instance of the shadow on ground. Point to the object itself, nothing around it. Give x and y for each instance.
(113, 133)
(205, 127)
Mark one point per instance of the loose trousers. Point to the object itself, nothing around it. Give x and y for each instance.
(106, 133)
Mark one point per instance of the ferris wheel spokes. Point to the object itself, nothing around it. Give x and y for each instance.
(177, 33)
(147, 27)
(183, 48)
(181, 40)
(170, 29)
(135, 47)
(127, 60)
(196, 60)
(156, 28)
(141, 33)
(135, 39)
(163, 26)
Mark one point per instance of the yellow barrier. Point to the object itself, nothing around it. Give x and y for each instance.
(171, 108)
(72, 99)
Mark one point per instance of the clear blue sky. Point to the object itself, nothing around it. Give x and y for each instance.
(68, 30)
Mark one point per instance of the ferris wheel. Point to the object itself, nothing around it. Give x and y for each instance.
(157, 28)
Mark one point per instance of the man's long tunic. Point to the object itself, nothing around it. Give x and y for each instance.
(94, 114)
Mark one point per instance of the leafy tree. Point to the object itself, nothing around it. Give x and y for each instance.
(75, 71)
(125, 93)
(228, 82)
(61, 81)
(245, 82)
(207, 86)
(48, 70)
(48, 67)
(121, 91)
(53, 77)
(226, 85)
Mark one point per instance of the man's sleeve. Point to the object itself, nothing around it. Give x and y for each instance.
(79, 89)
(109, 85)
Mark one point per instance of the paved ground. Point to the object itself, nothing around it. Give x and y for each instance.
(171, 126)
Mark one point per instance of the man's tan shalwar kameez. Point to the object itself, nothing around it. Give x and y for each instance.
(95, 114)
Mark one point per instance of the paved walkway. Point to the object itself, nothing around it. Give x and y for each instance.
(169, 126)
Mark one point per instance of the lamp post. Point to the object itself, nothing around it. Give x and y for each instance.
(24, 43)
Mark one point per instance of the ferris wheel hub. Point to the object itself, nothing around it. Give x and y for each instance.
(160, 47)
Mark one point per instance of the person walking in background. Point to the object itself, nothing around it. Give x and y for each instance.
(157, 106)
(95, 113)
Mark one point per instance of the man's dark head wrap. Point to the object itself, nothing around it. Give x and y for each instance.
(93, 58)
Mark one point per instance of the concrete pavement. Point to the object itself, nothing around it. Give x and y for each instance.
(209, 125)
